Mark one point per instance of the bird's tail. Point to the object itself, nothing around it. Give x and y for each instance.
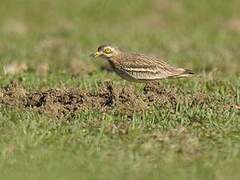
(184, 73)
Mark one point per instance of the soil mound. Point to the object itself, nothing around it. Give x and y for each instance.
(119, 100)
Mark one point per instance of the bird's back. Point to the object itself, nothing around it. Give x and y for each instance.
(141, 67)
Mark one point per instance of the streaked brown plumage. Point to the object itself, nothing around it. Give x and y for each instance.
(139, 67)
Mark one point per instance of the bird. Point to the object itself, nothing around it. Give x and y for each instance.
(139, 67)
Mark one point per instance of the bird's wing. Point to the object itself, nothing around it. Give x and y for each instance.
(147, 67)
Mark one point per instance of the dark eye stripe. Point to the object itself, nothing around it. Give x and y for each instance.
(100, 48)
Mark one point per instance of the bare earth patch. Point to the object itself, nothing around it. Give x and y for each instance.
(66, 103)
(15, 68)
(14, 26)
(233, 25)
(179, 140)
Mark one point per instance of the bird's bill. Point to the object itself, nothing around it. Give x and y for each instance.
(96, 54)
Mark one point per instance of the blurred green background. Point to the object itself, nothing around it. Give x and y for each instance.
(201, 35)
(59, 35)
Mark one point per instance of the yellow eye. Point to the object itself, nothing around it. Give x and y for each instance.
(107, 51)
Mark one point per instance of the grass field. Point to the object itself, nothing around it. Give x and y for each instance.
(65, 116)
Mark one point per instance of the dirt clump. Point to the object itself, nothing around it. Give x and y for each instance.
(125, 100)
(201, 99)
(111, 98)
(69, 102)
(155, 93)
(13, 94)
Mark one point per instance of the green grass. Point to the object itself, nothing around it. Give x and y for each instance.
(192, 143)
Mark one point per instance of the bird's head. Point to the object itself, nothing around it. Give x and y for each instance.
(106, 51)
